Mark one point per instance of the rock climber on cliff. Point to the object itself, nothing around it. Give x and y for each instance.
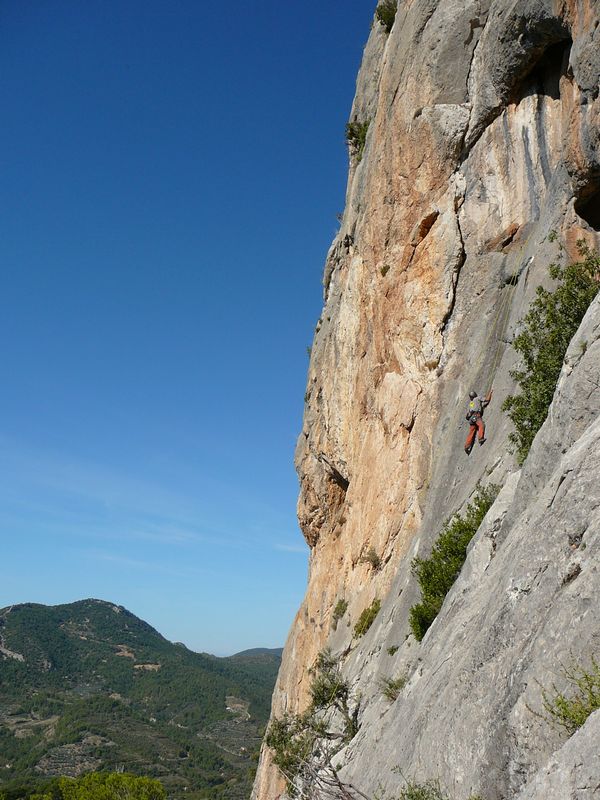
(474, 416)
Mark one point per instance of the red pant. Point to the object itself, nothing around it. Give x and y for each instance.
(474, 428)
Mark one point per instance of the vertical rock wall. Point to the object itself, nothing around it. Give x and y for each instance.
(481, 166)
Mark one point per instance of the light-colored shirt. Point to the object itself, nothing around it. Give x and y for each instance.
(477, 404)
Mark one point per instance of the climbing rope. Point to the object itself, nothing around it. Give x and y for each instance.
(503, 313)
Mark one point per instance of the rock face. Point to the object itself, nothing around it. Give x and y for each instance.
(481, 167)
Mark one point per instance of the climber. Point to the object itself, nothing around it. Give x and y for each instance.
(475, 417)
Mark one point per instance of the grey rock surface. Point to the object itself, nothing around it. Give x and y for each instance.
(572, 772)
(524, 605)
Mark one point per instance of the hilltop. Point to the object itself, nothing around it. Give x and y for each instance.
(88, 685)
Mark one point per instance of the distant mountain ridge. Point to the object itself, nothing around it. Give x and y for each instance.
(260, 651)
(88, 685)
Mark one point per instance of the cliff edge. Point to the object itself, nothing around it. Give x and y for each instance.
(480, 167)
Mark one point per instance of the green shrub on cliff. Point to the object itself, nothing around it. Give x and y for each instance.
(356, 137)
(422, 791)
(571, 710)
(391, 687)
(292, 739)
(372, 558)
(303, 745)
(547, 329)
(437, 573)
(329, 690)
(430, 790)
(327, 687)
(367, 618)
(385, 13)
(338, 612)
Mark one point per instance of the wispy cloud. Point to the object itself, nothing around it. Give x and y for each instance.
(126, 525)
(88, 482)
(70, 496)
(122, 561)
(128, 562)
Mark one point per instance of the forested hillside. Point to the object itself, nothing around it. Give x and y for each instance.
(89, 686)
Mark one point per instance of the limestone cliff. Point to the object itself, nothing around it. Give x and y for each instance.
(481, 166)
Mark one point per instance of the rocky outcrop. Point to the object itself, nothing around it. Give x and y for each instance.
(481, 167)
(573, 771)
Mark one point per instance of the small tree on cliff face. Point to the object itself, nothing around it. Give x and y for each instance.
(356, 137)
(436, 574)
(571, 710)
(385, 13)
(547, 329)
(304, 745)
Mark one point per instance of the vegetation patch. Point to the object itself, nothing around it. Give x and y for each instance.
(356, 137)
(338, 612)
(546, 331)
(108, 786)
(367, 618)
(429, 790)
(422, 791)
(94, 711)
(293, 738)
(391, 687)
(571, 710)
(96, 786)
(373, 558)
(437, 573)
(329, 690)
(304, 745)
(385, 13)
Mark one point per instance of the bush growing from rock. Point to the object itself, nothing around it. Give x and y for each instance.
(338, 612)
(328, 687)
(422, 791)
(303, 745)
(437, 573)
(385, 13)
(570, 711)
(292, 738)
(547, 329)
(356, 136)
(391, 687)
(366, 618)
(373, 558)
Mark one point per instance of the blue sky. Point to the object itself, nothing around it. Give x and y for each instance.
(171, 175)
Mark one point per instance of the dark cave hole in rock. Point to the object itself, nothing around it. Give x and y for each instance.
(339, 479)
(543, 78)
(588, 208)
